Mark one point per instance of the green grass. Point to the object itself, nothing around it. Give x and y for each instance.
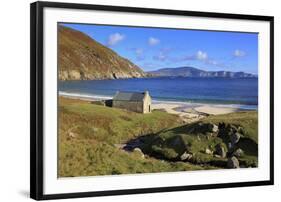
(190, 138)
(89, 135)
(96, 130)
(109, 124)
(247, 119)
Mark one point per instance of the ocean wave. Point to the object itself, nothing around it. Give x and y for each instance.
(197, 104)
(85, 96)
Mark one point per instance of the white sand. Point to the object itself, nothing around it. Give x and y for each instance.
(184, 115)
(192, 113)
(214, 110)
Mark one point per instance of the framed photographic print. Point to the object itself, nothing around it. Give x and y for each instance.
(134, 100)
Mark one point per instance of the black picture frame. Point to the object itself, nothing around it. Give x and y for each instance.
(36, 98)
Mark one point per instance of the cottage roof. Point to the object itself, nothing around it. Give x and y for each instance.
(129, 96)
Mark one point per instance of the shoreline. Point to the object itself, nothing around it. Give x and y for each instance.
(188, 112)
(91, 97)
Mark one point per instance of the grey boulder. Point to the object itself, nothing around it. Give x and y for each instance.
(232, 162)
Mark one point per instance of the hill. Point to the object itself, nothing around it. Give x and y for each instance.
(99, 140)
(82, 58)
(194, 72)
(90, 135)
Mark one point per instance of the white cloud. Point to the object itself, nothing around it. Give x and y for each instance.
(115, 38)
(153, 41)
(239, 53)
(200, 55)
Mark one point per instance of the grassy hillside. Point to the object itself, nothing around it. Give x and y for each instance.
(91, 137)
(83, 58)
(200, 142)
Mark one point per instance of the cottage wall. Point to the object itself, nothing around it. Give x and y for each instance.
(147, 104)
(129, 105)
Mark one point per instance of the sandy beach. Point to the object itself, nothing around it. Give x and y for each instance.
(214, 110)
(193, 112)
(185, 113)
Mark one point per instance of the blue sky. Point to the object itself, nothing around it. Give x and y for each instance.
(155, 48)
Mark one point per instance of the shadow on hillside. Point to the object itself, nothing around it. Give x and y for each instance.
(191, 129)
(139, 142)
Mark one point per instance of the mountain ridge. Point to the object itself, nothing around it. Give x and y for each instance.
(188, 71)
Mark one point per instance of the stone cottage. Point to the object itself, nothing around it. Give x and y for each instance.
(133, 101)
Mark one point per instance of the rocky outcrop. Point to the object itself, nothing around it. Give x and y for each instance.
(185, 156)
(208, 151)
(218, 144)
(82, 58)
(232, 162)
(238, 153)
(234, 138)
(139, 152)
(203, 128)
(220, 151)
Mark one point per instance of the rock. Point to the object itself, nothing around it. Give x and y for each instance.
(233, 128)
(229, 145)
(220, 150)
(139, 151)
(95, 129)
(215, 128)
(71, 134)
(221, 125)
(234, 138)
(74, 74)
(217, 156)
(185, 156)
(238, 153)
(208, 151)
(203, 128)
(232, 162)
(120, 146)
(241, 130)
(211, 128)
(177, 141)
(227, 129)
(178, 144)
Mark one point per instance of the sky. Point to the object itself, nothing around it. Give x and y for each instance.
(155, 48)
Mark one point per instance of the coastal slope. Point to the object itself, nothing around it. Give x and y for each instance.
(99, 140)
(82, 58)
(194, 72)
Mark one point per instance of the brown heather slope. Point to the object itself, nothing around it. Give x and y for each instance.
(83, 58)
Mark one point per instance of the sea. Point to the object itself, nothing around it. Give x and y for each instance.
(227, 92)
